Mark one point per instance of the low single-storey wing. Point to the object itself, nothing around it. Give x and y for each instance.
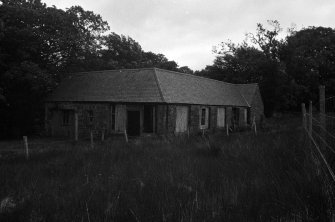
(146, 101)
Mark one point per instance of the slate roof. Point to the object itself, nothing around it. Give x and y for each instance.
(137, 85)
(150, 85)
(248, 91)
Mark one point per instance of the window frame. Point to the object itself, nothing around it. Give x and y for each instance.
(204, 115)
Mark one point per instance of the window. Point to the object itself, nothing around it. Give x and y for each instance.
(113, 117)
(66, 117)
(204, 113)
(203, 117)
(90, 116)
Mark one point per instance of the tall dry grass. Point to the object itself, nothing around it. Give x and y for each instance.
(269, 177)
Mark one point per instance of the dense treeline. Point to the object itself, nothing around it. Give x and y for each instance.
(39, 43)
(288, 70)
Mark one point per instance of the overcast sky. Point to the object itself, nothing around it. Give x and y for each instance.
(187, 30)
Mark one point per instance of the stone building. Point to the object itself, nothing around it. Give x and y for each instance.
(147, 101)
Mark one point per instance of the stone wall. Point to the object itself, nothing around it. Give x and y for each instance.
(102, 118)
(171, 118)
(161, 111)
(257, 107)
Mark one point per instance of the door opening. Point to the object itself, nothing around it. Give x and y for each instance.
(133, 123)
(148, 119)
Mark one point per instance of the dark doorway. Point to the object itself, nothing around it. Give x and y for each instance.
(133, 123)
(148, 120)
(236, 115)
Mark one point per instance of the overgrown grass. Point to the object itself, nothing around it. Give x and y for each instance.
(269, 177)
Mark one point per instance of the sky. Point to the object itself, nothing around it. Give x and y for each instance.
(186, 30)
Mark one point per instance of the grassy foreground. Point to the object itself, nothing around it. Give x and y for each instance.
(269, 177)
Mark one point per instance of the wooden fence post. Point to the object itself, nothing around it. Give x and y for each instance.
(25, 141)
(103, 135)
(303, 110)
(92, 142)
(255, 125)
(125, 135)
(310, 125)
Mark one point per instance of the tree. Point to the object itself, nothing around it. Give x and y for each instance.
(255, 60)
(37, 43)
(309, 55)
(266, 39)
(86, 38)
(185, 69)
(121, 52)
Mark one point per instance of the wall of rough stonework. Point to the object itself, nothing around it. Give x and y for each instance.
(257, 107)
(194, 118)
(161, 111)
(101, 119)
(171, 118)
(58, 128)
(165, 118)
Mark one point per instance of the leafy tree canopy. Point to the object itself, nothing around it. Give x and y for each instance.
(38, 44)
(288, 70)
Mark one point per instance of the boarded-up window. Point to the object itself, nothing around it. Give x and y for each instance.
(120, 118)
(204, 114)
(182, 119)
(221, 117)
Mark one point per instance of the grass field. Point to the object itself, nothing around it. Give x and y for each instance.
(243, 177)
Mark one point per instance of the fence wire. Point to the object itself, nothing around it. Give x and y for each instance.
(320, 129)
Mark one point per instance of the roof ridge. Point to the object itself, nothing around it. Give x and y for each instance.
(111, 70)
(158, 85)
(195, 76)
(164, 70)
(253, 83)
